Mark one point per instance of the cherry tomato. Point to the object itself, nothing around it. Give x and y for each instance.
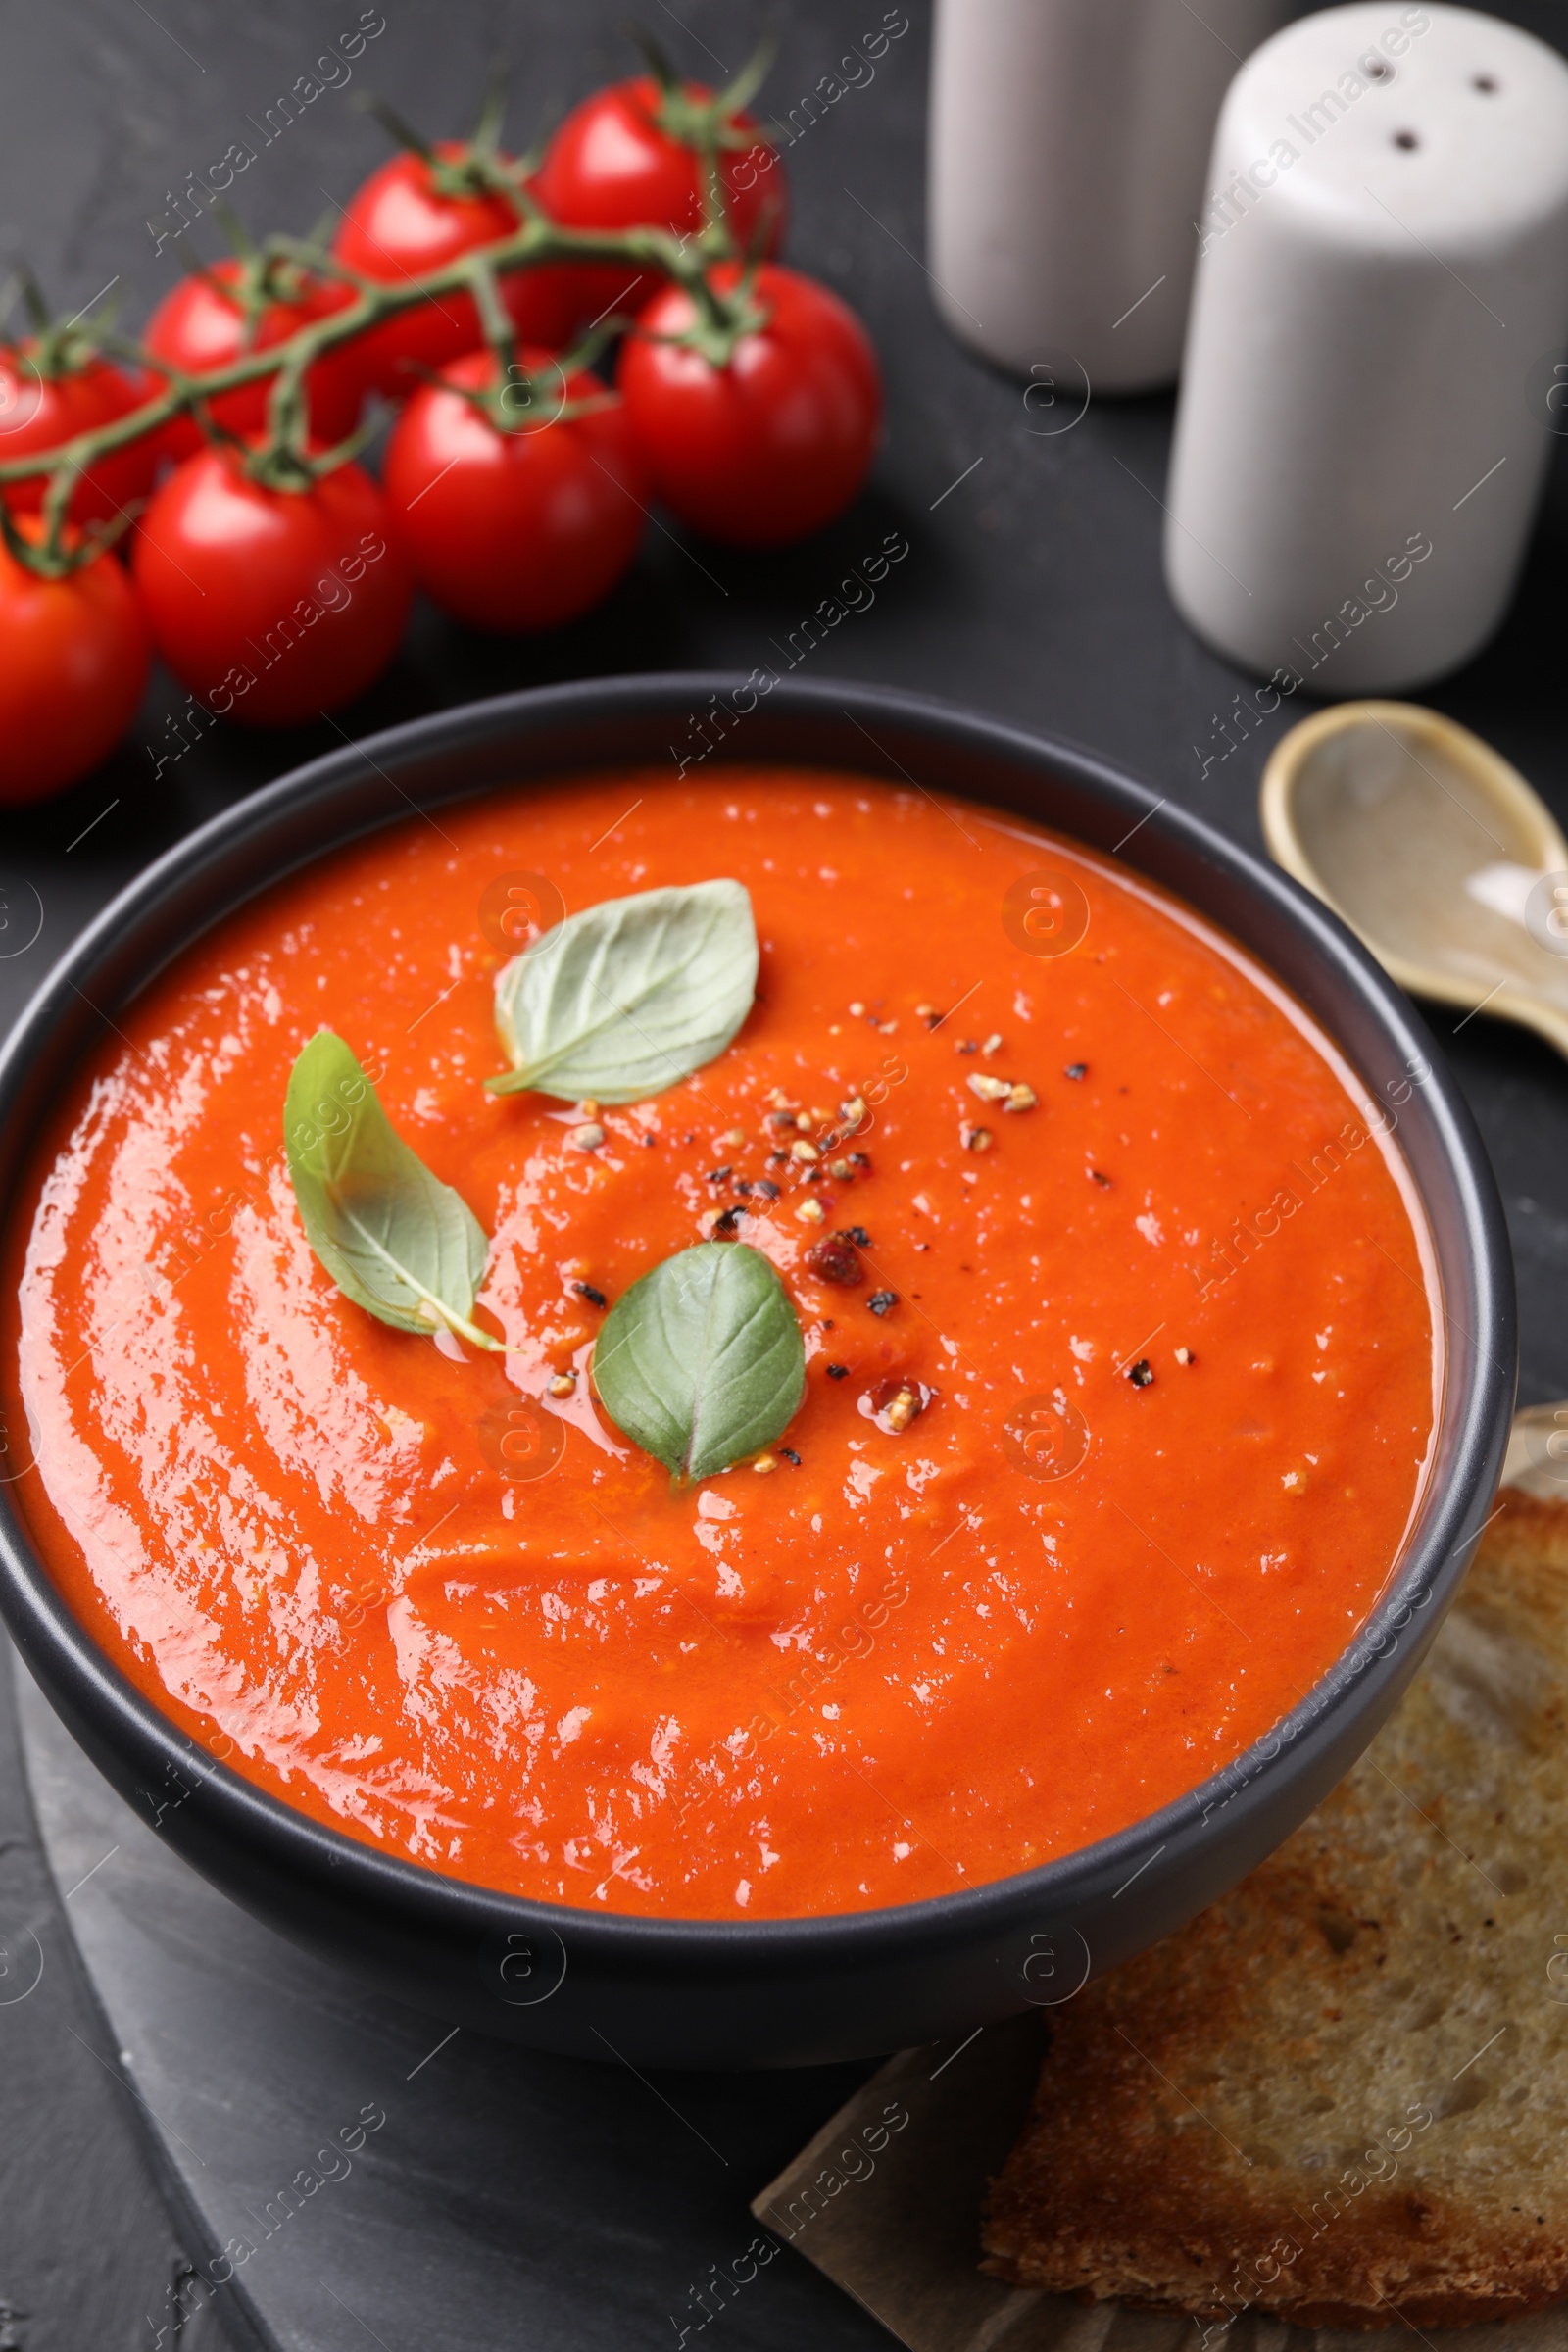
(39, 408)
(271, 605)
(769, 447)
(401, 225)
(201, 324)
(515, 530)
(613, 164)
(74, 665)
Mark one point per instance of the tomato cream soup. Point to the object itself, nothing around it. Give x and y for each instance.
(1121, 1363)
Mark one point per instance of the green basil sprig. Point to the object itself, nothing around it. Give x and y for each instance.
(701, 1361)
(623, 999)
(394, 1238)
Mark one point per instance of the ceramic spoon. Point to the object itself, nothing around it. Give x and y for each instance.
(1434, 852)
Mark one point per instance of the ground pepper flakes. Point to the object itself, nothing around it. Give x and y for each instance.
(835, 1259)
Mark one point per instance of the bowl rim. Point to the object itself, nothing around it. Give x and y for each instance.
(86, 1685)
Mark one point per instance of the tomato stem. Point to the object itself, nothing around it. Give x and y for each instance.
(485, 136)
(56, 347)
(399, 129)
(33, 300)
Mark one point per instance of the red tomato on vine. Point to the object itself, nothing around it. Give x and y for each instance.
(271, 605)
(616, 162)
(415, 214)
(773, 444)
(74, 667)
(521, 529)
(48, 394)
(202, 323)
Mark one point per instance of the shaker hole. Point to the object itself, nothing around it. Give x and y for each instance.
(1483, 81)
(1407, 140)
(1378, 69)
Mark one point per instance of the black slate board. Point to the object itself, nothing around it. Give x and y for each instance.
(477, 2197)
(1033, 590)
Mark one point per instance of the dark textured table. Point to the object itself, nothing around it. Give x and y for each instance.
(1033, 590)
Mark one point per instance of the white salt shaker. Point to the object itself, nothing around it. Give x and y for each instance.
(1383, 269)
(1069, 141)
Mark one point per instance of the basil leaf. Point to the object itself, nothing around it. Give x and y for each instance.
(395, 1240)
(701, 1360)
(625, 998)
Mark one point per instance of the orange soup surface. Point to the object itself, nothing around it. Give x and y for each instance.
(1159, 1313)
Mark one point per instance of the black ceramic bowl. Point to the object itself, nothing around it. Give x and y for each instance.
(707, 1992)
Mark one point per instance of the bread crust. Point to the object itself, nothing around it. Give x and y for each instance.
(1338, 2096)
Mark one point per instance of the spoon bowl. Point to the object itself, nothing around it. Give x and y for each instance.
(1434, 850)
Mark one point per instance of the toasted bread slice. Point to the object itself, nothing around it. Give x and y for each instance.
(1341, 2095)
